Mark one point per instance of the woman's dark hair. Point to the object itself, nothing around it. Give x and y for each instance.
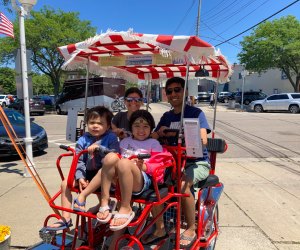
(133, 90)
(144, 114)
(175, 79)
(99, 111)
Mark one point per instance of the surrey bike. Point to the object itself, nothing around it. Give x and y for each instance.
(90, 235)
(206, 202)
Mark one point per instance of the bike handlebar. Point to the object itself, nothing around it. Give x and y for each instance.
(100, 149)
(65, 147)
(143, 156)
(104, 150)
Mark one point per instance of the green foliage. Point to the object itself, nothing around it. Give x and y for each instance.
(274, 45)
(130, 85)
(46, 30)
(7, 81)
(41, 85)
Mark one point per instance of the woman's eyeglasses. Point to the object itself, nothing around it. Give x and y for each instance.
(170, 90)
(133, 99)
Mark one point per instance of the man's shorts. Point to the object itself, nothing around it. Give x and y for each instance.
(197, 171)
(147, 183)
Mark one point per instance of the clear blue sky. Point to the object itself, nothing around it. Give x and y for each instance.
(220, 19)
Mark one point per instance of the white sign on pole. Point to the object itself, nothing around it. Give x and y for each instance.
(18, 69)
(71, 125)
(192, 137)
(20, 87)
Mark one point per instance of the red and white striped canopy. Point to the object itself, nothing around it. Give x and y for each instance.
(145, 56)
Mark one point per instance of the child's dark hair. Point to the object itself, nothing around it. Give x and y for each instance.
(99, 111)
(175, 79)
(144, 114)
(133, 90)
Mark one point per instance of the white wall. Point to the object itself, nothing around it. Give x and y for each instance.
(267, 82)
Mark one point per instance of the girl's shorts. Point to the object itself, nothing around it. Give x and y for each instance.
(147, 183)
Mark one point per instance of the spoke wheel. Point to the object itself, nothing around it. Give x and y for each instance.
(258, 108)
(294, 109)
(212, 244)
(114, 105)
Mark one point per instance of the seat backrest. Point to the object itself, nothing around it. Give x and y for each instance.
(216, 145)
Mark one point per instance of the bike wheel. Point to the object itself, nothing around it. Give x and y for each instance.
(212, 244)
(123, 105)
(114, 105)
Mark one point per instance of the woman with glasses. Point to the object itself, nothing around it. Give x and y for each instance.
(133, 100)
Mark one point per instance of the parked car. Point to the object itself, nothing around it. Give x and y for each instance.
(17, 120)
(203, 97)
(278, 102)
(49, 101)
(36, 105)
(224, 97)
(4, 100)
(249, 96)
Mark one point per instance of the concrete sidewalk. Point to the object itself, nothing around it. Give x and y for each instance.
(264, 217)
(255, 213)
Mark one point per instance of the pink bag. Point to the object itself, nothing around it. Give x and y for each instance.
(157, 160)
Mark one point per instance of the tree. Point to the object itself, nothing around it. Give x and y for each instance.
(41, 84)
(46, 30)
(274, 45)
(7, 81)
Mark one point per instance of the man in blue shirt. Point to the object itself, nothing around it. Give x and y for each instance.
(195, 170)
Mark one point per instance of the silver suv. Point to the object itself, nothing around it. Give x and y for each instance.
(278, 102)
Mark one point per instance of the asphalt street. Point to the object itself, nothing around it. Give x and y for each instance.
(260, 205)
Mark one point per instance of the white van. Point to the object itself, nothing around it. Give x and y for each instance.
(101, 91)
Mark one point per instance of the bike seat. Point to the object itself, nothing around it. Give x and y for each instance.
(211, 180)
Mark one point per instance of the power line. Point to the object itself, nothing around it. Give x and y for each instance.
(231, 14)
(186, 14)
(218, 36)
(241, 19)
(257, 23)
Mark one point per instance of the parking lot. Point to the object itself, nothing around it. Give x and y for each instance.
(260, 206)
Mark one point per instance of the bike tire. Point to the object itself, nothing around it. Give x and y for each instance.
(114, 105)
(123, 105)
(213, 243)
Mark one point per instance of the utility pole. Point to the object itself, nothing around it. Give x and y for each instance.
(198, 32)
(198, 19)
(244, 73)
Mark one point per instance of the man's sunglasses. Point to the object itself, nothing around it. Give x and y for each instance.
(170, 90)
(133, 99)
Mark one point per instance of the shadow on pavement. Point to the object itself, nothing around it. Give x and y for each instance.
(8, 168)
